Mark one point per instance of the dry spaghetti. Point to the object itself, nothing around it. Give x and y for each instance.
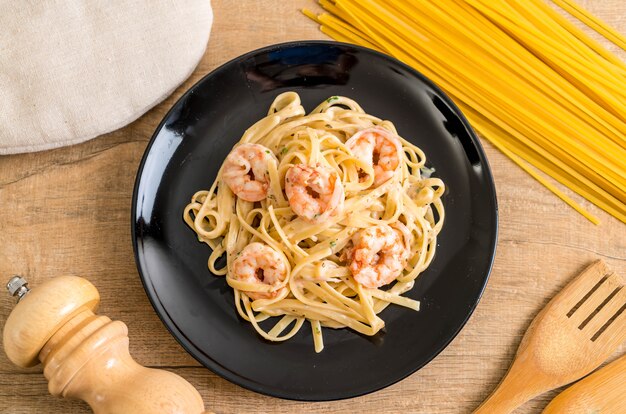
(529, 81)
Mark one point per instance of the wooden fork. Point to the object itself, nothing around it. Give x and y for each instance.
(576, 331)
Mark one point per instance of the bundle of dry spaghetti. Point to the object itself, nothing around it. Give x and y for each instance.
(532, 83)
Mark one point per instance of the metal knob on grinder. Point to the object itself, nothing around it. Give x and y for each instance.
(18, 287)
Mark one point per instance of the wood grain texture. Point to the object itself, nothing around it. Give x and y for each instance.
(67, 212)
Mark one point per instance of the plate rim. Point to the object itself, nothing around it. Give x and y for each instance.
(214, 365)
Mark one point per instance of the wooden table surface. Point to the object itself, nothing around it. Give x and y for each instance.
(67, 212)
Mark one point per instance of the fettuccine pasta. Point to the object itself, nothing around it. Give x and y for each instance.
(325, 218)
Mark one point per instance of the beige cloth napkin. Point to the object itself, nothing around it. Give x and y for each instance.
(71, 70)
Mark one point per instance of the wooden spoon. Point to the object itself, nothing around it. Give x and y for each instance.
(604, 391)
(576, 331)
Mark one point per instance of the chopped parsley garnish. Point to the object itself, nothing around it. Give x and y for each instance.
(333, 243)
(427, 172)
(283, 151)
(268, 151)
(332, 98)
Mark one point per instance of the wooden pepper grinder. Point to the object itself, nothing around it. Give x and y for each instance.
(85, 355)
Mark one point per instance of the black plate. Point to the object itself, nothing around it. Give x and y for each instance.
(197, 307)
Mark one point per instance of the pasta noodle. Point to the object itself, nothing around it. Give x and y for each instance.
(530, 82)
(308, 268)
(593, 22)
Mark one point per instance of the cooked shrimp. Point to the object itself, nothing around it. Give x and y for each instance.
(314, 193)
(245, 171)
(405, 234)
(258, 263)
(379, 148)
(378, 257)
